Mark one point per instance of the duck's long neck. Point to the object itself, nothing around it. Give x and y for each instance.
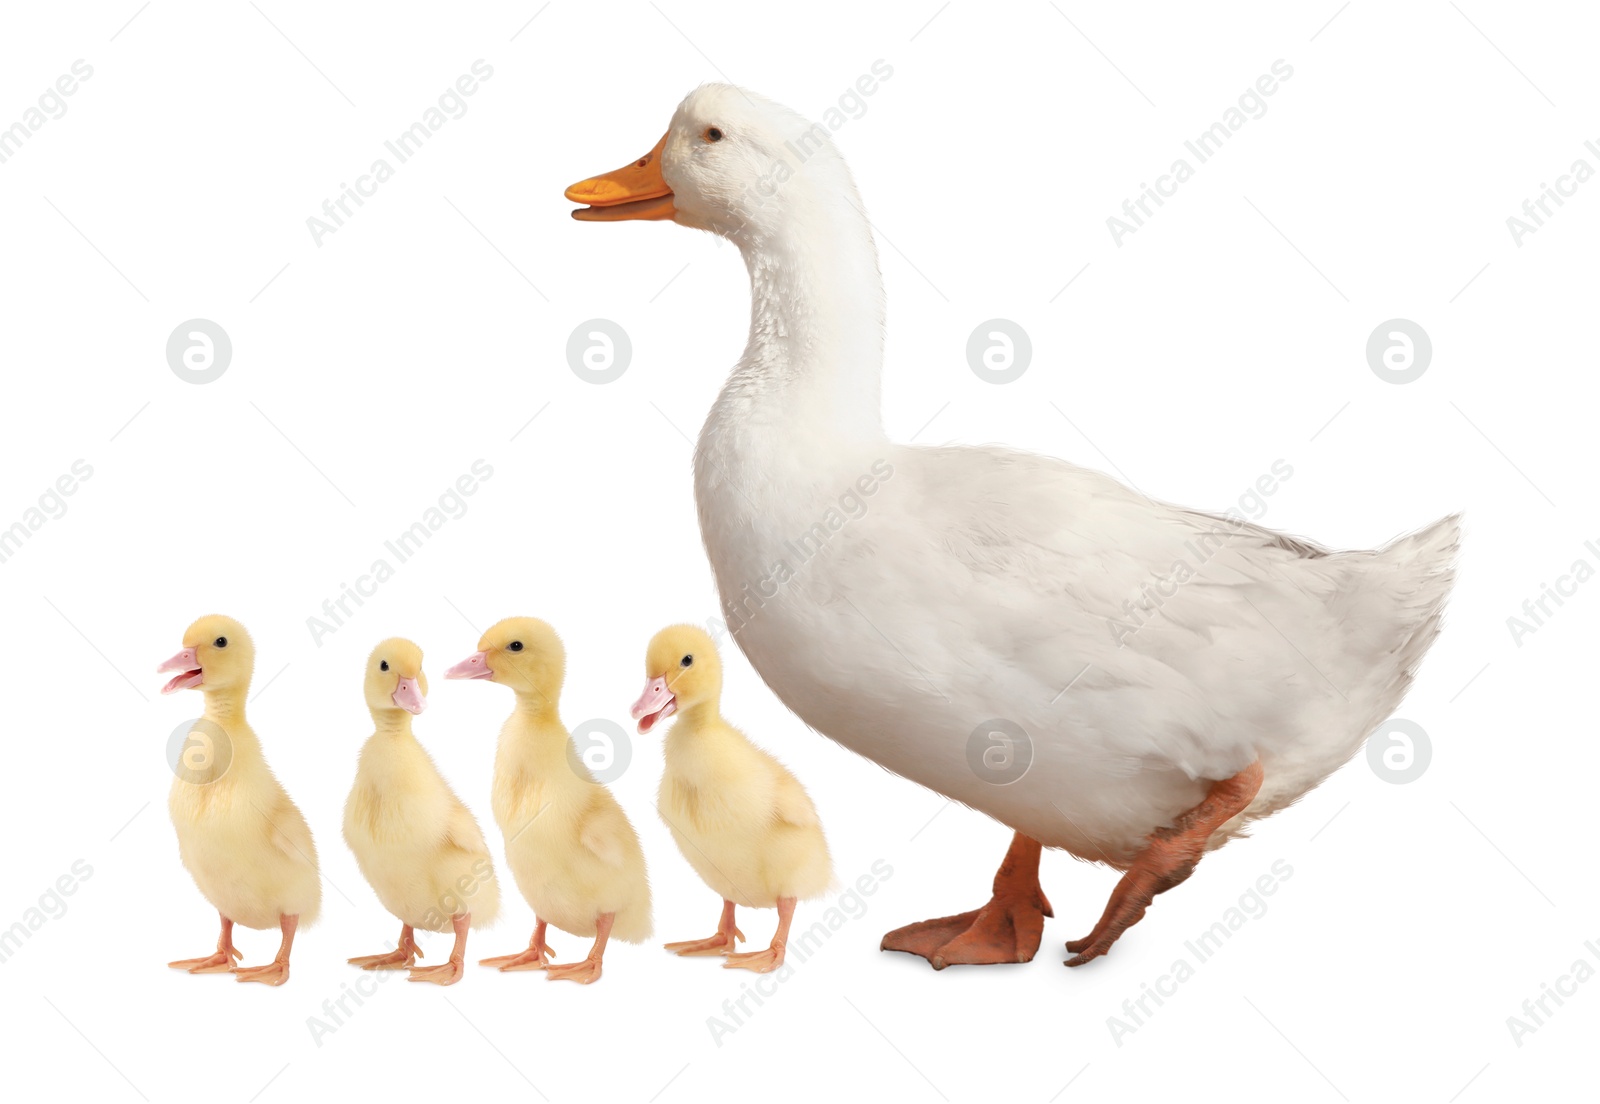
(814, 358)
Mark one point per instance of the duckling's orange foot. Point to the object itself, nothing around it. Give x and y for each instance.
(447, 974)
(1008, 929)
(450, 972)
(273, 973)
(762, 962)
(398, 959)
(724, 942)
(588, 970)
(720, 944)
(530, 959)
(583, 972)
(405, 953)
(219, 963)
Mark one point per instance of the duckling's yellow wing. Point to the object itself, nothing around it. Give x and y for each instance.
(603, 830)
(790, 801)
(462, 831)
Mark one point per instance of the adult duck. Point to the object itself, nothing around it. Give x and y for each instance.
(1128, 680)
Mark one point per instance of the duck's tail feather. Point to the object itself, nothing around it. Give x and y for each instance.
(1423, 566)
(1426, 562)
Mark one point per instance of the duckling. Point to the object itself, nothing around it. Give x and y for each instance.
(416, 843)
(240, 837)
(742, 820)
(572, 850)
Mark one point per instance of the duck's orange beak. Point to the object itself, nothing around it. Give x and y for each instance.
(635, 191)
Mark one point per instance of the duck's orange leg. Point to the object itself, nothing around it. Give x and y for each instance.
(1007, 929)
(219, 963)
(531, 959)
(1168, 858)
(275, 972)
(450, 971)
(401, 958)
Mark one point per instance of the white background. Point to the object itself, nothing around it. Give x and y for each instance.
(370, 372)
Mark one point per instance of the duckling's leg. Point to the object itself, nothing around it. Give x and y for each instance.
(401, 958)
(530, 959)
(589, 969)
(450, 972)
(275, 972)
(1007, 929)
(728, 936)
(219, 963)
(764, 962)
(1167, 860)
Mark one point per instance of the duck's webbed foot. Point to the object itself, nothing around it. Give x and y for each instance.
(1007, 929)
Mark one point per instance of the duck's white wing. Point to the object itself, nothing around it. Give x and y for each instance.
(1144, 649)
(1152, 634)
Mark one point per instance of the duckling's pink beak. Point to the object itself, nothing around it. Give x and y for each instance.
(475, 666)
(655, 704)
(408, 696)
(188, 664)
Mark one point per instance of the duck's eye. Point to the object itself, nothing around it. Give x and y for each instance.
(687, 661)
(383, 664)
(514, 646)
(221, 642)
(713, 134)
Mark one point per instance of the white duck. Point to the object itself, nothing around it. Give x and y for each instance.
(993, 611)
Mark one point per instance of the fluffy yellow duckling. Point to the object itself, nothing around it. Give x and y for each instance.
(570, 847)
(417, 845)
(239, 835)
(742, 820)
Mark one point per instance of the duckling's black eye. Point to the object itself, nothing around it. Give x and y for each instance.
(713, 134)
(687, 661)
(221, 642)
(514, 646)
(383, 664)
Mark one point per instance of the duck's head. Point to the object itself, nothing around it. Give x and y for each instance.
(394, 678)
(217, 655)
(523, 653)
(681, 670)
(731, 162)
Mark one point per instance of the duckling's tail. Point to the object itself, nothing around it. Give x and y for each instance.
(1423, 566)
